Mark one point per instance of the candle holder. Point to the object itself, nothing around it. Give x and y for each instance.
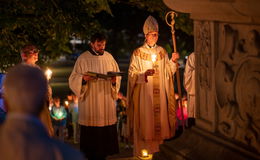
(145, 155)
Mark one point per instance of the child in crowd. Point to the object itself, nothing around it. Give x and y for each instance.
(122, 119)
(69, 116)
(73, 110)
(58, 115)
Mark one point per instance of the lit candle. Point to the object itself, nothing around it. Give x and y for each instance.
(153, 58)
(144, 153)
(59, 114)
(66, 103)
(185, 103)
(48, 74)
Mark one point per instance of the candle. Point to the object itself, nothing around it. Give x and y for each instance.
(59, 114)
(48, 74)
(153, 58)
(66, 103)
(185, 103)
(144, 153)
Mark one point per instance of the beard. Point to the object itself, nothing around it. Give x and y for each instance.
(101, 51)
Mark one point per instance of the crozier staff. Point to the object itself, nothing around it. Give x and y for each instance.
(172, 15)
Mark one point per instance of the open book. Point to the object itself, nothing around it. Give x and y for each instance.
(104, 76)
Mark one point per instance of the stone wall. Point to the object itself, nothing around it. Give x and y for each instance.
(227, 50)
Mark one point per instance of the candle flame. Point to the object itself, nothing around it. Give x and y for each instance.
(48, 74)
(66, 103)
(60, 114)
(153, 57)
(185, 103)
(144, 153)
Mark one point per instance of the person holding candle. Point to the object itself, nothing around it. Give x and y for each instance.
(67, 104)
(97, 96)
(58, 115)
(150, 93)
(29, 55)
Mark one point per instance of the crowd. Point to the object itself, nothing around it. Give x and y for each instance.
(35, 123)
(65, 118)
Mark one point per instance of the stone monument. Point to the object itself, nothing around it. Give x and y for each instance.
(227, 50)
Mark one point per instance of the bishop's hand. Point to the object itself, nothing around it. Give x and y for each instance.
(175, 56)
(148, 72)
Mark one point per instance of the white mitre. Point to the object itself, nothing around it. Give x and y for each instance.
(150, 25)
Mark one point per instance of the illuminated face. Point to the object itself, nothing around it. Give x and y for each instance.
(30, 58)
(69, 97)
(151, 38)
(56, 102)
(98, 46)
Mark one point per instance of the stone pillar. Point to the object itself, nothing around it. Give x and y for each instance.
(227, 50)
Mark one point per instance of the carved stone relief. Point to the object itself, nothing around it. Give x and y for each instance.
(203, 48)
(204, 65)
(237, 80)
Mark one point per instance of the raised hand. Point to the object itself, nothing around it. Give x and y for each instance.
(175, 56)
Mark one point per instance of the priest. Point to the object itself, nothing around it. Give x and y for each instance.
(189, 85)
(97, 110)
(151, 100)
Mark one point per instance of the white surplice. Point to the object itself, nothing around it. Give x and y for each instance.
(143, 115)
(189, 84)
(96, 97)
